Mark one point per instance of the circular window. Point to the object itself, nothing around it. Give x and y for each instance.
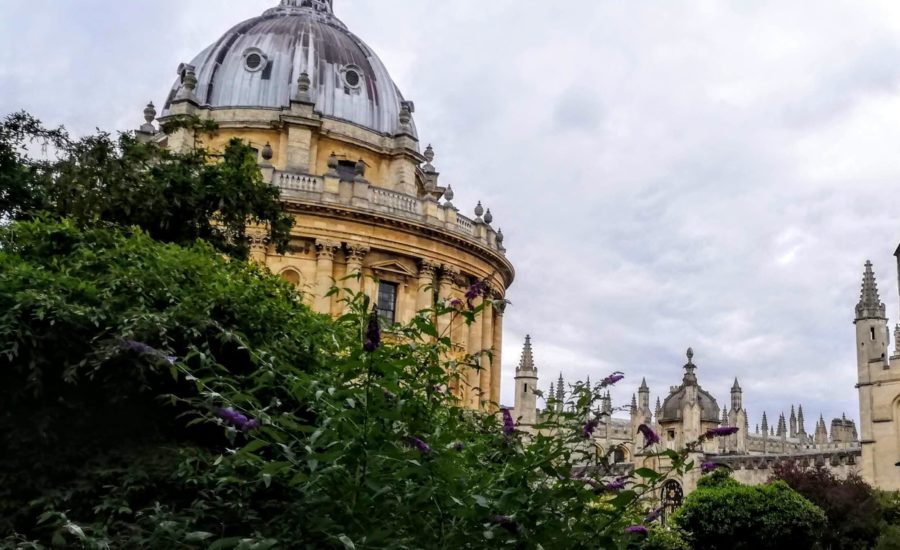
(254, 60)
(352, 77)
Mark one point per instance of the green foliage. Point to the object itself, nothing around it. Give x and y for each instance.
(666, 539)
(174, 197)
(889, 538)
(733, 516)
(720, 477)
(119, 354)
(854, 513)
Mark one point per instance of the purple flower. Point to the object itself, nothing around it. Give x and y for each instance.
(420, 445)
(616, 486)
(237, 419)
(373, 334)
(612, 379)
(722, 432)
(509, 425)
(654, 515)
(650, 437)
(456, 303)
(140, 347)
(589, 428)
(636, 530)
(473, 292)
(708, 467)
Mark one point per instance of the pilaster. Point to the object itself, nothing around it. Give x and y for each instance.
(325, 251)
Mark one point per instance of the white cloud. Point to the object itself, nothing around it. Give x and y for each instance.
(668, 174)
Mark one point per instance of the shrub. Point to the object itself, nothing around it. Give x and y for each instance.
(162, 397)
(853, 511)
(733, 516)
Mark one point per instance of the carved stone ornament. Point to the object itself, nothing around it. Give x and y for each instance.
(427, 269)
(326, 249)
(356, 253)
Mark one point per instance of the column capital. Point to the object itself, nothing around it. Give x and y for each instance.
(500, 306)
(427, 268)
(449, 273)
(357, 252)
(326, 249)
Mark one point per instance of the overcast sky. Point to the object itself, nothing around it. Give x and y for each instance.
(668, 173)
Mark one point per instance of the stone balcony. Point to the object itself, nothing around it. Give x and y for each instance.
(361, 195)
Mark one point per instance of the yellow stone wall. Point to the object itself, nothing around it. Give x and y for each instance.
(331, 240)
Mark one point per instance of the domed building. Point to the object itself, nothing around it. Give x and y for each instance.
(334, 133)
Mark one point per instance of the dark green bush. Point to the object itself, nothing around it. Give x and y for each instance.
(119, 356)
(730, 516)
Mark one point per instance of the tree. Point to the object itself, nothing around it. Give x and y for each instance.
(725, 515)
(853, 511)
(174, 197)
(158, 396)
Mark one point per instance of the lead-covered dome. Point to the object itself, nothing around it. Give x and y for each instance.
(258, 63)
(673, 405)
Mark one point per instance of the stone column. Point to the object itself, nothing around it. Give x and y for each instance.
(475, 348)
(487, 344)
(425, 292)
(325, 251)
(259, 241)
(356, 254)
(445, 295)
(497, 365)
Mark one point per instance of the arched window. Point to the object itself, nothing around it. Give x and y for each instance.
(291, 276)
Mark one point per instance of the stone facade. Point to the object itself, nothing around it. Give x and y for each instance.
(879, 387)
(347, 160)
(687, 412)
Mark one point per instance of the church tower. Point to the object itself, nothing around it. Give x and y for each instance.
(526, 384)
(879, 389)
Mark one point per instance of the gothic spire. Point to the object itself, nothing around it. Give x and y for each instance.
(765, 423)
(560, 389)
(870, 305)
(736, 388)
(527, 361)
(801, 425)
(633, 404)
(644, 387)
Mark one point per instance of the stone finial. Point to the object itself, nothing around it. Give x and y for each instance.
(690, 378)
(407, 108)
(757, 428)
(304, 84)
(479, 211)
(488, 217)
(560, 389)
(526, 363)
(870, 305)
(332, 166)
(267, 153)
(429, 154)
(448, 194)
(149, 117)
(188, 82)
(552, 393)
(360, 170)
(500, 238)
(150, 113)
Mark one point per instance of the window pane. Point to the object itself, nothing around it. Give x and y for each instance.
(387, 301)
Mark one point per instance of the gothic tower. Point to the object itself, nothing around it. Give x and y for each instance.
(879, 389)
(526, 384)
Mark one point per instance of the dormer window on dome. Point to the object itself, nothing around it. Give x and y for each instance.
(254, 60)
(352, 77)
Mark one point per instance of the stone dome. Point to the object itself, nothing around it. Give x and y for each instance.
(258, 63)
(673, 405)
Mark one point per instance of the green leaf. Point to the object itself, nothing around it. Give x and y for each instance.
(348, 544)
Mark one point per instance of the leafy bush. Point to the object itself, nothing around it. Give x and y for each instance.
(853, 512)
(734, 516)
(174, 197)
(889, 538)
(161, 397)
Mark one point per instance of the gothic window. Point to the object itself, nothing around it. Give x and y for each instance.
(387, 302)
(672, 497)
(619, 456)
(872, 333)
(526, 389)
